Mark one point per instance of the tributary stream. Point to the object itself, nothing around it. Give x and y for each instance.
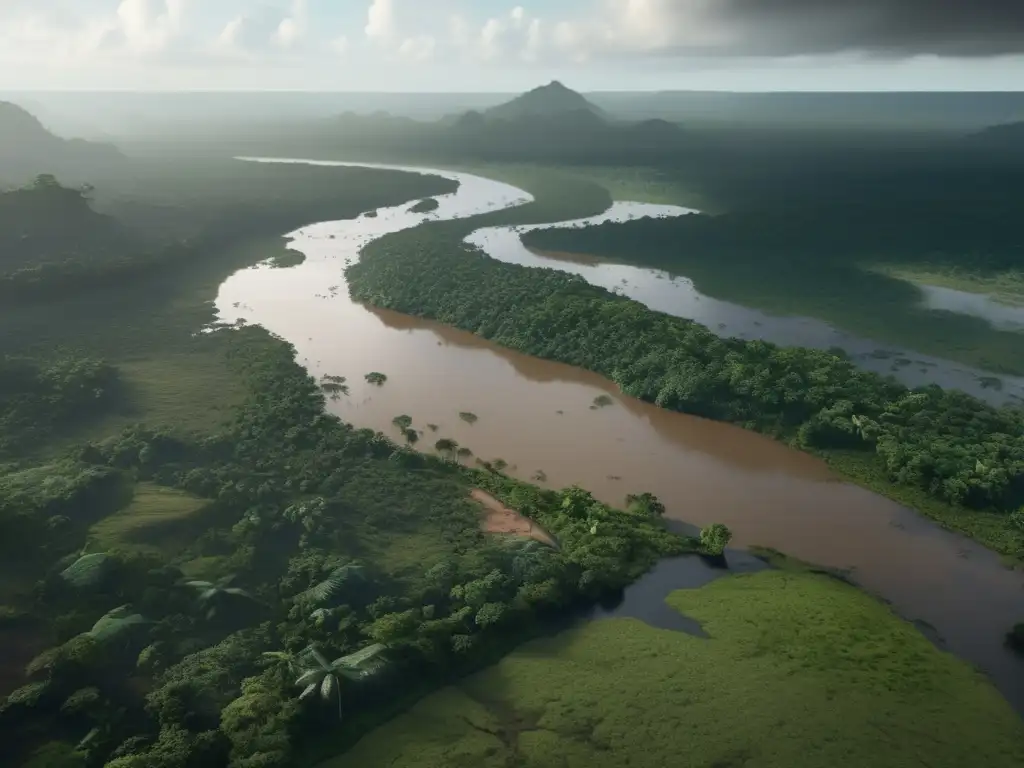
(541, 418)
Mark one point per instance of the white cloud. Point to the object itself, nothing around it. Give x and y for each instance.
(259, 32)
(292, 28)
(513, 35)
(380, 20)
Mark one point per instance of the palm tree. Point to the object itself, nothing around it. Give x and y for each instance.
(213, 592)
(326, 676)
(448, 446)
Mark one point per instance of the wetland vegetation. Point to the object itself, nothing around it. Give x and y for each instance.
(816, 672)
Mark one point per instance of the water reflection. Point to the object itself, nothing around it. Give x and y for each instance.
(1003, 317)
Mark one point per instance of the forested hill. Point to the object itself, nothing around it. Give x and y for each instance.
(46, 223)
(544, 101)
(27, 149)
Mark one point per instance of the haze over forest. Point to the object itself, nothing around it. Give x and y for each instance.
(596, 382)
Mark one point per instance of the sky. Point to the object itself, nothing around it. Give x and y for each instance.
(501, 46)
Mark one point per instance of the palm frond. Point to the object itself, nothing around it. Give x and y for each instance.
(332, 585)
(365, 661)
(309, 690)
(327, 686)
(320, 659)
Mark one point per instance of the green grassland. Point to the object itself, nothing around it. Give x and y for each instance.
(800, 670)
(158, 520)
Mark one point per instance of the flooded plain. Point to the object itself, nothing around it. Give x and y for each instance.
(677, 295)
(556, 425)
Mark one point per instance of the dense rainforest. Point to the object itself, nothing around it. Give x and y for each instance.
(292, 538)
(196, 592)
(952, 447)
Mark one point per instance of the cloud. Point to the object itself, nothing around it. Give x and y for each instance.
(515, 34)
(263, 30)
(380, 20)
(143, 29)
(892, 28)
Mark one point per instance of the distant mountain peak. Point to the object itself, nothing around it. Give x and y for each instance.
(544, 100)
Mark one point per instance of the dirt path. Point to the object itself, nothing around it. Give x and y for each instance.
(502, 519)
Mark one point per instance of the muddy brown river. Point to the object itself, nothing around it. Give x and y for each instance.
(542, 419)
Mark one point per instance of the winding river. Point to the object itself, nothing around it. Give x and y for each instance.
(541, 417)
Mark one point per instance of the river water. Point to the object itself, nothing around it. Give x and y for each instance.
(542, 419)
(676, 295)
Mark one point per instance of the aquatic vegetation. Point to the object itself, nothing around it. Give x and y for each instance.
(646, 504)
(403, 422)
(333, 385)
(602, 401)
(462, 452)
(469, 418)
(376, 378)
(715, 538)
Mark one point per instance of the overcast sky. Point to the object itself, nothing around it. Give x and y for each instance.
(496, 45)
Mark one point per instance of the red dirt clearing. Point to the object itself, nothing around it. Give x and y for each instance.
(502, 519)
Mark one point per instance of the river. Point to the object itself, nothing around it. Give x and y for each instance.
(677, 295)
(542, 419)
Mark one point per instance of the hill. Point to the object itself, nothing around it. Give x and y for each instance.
(28, 149)
(29, 238)
(544, 101)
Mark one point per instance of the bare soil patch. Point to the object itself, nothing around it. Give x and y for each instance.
(502, 519)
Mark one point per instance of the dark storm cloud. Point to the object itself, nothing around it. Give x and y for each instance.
(882, 27)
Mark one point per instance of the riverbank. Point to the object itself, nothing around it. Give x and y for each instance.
(533, 416)
(789, 393)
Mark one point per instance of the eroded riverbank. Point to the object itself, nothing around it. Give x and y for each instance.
(541, 418)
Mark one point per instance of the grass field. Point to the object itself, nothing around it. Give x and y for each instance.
(801, 670)
(158, 520)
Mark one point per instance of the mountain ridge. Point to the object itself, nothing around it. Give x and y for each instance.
(28, 149)
(544, 101)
